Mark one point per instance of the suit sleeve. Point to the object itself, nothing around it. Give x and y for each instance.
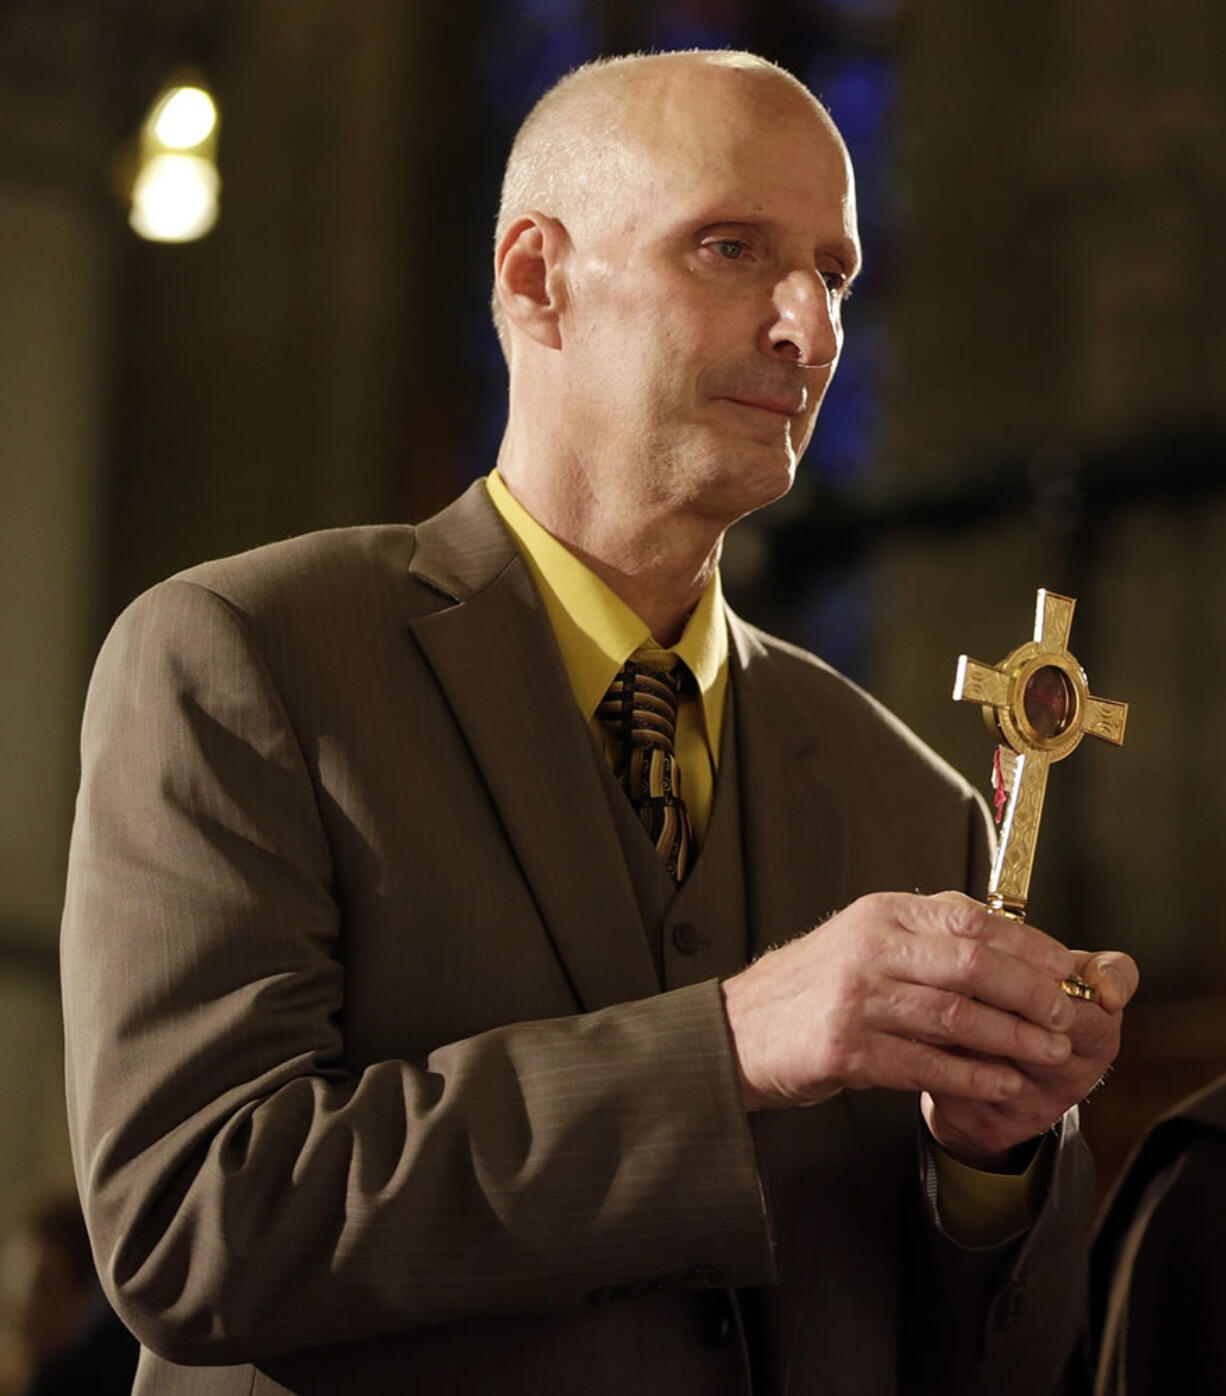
(1001, 1320)
(249, 1192)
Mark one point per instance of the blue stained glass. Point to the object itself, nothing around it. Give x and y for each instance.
(860, 92)
(835, 621)
(553, 13)
(524, 48)
(560, 51)
(527, 61)
(845, 439)
(859, 9)
(680, 24)
(685, 29)
(860, 97)
(672, 33)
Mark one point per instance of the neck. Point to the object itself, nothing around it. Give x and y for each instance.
(658, 561)
(661, 591)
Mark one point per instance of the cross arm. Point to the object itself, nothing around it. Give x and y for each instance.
(1106, 718)
(976, 682)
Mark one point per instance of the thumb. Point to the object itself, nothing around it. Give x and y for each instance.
(1113, 974)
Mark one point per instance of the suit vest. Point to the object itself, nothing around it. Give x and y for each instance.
(696, 931)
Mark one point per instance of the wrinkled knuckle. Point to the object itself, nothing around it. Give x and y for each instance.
(953, 895)
(966, 919)
(952, 1016)
(970, 959)
(875, 906)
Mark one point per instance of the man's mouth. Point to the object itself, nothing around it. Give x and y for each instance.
(781, 407)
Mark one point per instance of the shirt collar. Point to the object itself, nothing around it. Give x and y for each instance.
(597, 632)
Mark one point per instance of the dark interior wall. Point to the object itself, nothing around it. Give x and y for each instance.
(266, 372)
(57, 311)
(1060, 373)
(1061, 348)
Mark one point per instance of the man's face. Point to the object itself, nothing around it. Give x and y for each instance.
(703, 322)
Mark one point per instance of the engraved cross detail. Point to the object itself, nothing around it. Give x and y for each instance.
(1037, 703)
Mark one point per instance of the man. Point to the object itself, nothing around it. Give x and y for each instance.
(400, 1058)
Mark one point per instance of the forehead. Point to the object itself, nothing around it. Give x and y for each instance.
(738, 139)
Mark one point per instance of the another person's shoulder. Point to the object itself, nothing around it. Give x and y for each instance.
(1159, 1264)
(1206, 1107)
(1197, 1124)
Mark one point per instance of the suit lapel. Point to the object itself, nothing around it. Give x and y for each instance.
(495, 658)
(792, 819)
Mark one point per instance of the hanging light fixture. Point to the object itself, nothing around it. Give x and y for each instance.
(174, 194)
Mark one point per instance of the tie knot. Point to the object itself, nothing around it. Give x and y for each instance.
(640, 707)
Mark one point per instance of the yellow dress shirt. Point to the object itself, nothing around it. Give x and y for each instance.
(597, 632)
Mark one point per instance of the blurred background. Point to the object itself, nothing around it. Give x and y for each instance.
(1031, 395)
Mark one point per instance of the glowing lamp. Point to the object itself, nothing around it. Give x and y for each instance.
(176, 188)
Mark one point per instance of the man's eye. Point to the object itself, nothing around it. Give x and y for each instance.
(729, 248)
(835, 281)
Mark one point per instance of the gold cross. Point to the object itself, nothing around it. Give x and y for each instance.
(1037, 703)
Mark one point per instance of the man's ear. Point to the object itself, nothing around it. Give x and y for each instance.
(528, 276)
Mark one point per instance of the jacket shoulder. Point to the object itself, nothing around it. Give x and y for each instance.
(312, 563)
(325, 600)
(826, 699)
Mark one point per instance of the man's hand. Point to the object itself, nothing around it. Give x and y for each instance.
(981, 1133)
(933, 994)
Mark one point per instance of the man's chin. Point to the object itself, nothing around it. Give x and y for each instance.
(746, 483)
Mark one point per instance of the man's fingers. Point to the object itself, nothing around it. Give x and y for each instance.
(954, 914)
(1113, 974)
(977, 969)
(946, 1018)
(915, 1066)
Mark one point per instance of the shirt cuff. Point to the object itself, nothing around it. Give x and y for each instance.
(986, 1209)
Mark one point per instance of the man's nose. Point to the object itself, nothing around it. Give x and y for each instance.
(805, 327)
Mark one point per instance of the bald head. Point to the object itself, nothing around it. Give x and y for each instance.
(676, 240)
(583, 144)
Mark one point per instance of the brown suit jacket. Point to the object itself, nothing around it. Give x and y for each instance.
(372, 1086)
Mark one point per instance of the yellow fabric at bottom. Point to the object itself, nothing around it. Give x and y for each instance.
(984, 1209)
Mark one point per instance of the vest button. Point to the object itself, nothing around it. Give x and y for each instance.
(688, 939)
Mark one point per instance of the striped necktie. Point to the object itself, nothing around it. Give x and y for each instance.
(640, 713)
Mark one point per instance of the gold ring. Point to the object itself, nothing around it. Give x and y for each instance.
(1077, 988)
